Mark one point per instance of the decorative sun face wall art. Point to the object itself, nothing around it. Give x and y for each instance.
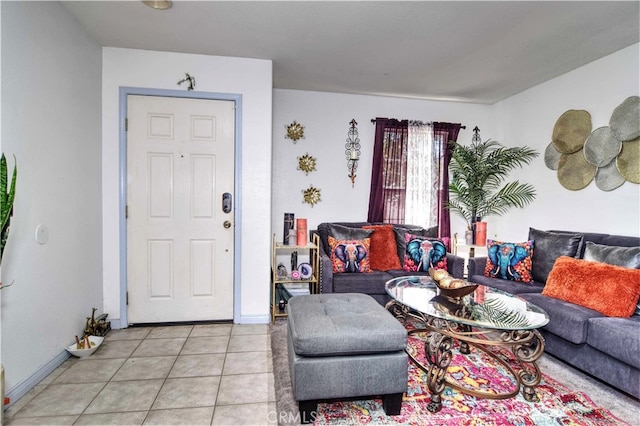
(610, 155)
(295, 131)
(307, 163)
(311, 195)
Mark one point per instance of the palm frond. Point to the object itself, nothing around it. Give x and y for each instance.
(497, 313)
(478, 173)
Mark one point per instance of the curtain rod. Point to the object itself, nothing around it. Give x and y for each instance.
(373, 120)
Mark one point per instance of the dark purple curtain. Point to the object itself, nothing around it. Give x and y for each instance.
(448, 134)
(387, 195)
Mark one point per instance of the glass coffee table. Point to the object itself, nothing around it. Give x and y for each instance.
(485, 319)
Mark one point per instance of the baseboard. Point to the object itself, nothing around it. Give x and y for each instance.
(255, 319)
(18, 391)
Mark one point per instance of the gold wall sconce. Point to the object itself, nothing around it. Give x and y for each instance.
(352, 151)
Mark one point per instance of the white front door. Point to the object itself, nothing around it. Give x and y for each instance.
(180, 165)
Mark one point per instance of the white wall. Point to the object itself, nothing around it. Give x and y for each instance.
(528, 119)
(326, 118)
(524, 119)
(250, 78)
(51, 123)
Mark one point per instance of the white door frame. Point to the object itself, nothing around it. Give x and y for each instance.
(237, 208)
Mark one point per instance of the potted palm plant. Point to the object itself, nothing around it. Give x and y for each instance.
(7, 195)
(477, 188)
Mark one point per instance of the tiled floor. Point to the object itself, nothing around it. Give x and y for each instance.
(214, 374)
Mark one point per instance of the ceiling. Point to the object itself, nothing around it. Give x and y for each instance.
(471, 51)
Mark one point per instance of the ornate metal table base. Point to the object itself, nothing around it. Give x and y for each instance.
(526, 346)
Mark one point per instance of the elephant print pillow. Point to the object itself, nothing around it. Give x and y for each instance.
(509, 261)
(350, 255)
(423, 253)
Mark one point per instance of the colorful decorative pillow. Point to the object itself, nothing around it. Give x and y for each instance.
(509, 261)
(350, 255)
(383, 255)
(609, 289)
(422, 253)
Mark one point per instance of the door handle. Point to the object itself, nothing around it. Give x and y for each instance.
(226, 202)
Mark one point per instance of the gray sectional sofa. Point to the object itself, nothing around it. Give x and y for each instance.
(607, 348)
(370, 283)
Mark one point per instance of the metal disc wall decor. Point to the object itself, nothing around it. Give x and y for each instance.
(628, 162)
(552, 157)
(574, 173)
(571, 130)
(608, 178)
(601, 147)
(625, 120)
(610, 155)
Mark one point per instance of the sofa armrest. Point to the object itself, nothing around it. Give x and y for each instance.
(455, 265)
(326, 272)
(476, 265)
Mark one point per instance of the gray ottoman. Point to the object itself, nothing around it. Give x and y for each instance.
(344, 345)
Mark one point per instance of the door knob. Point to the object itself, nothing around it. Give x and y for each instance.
(226, 224)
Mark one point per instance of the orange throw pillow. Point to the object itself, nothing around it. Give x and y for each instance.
(608, 289)
(383, 252)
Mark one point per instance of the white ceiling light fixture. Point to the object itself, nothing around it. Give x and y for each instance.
(159, 4)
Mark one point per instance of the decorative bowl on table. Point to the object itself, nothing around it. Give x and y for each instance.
(449, 286)
(73, 349)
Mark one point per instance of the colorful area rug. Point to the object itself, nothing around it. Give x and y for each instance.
(558, 405)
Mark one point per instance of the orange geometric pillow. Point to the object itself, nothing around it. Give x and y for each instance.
(383, 253)
(608, 289)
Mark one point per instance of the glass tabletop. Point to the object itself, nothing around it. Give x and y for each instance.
(486, 307)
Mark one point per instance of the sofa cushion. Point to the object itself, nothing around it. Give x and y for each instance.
(423, 253)
(343, 324)
(566, 320)
(372, 283)
(383, 248)
(509, 261)
(350, 255)
(323, 231)
(628, 257)
(513, 287)
(617, 337)
(548, 247)
(400, 230)
(608, 289)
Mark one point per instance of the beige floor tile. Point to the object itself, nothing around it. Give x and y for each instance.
(170, 332)
(57, 420)
(211, 330)
(247, 362)
(61, 369)
(239, 329)
(180, 416)
(187, 392)
(61, 400)
(116, 349)
(198, 365)
(135, 395)
(131, 333)
(17, 405)
(205, 345)
(245, 389)
(159, 347)
(249, 343)
(153, 367)
(132, 418)
(261, 413)
(90, 371)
